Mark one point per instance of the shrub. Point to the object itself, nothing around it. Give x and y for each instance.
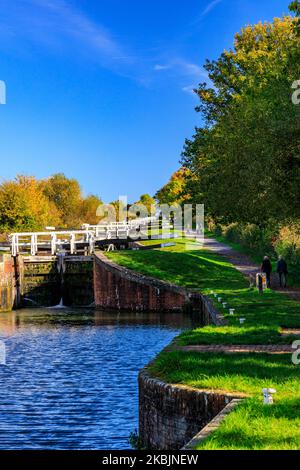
(249, 236)
(288, 243)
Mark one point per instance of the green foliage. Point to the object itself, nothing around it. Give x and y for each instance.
(27, 204)
(246, 157)
(176, 191)
(288, 244)
(252, 238)
(295, 7)
(143, 207)
(135, 441)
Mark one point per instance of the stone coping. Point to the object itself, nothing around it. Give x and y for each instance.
(145, 375)
(232, 399)
(212, 425)
(239, 348)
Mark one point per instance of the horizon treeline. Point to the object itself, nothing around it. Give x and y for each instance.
(27, 203)
(30, 204)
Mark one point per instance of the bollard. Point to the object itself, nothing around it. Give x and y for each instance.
(231, 311)
(268, 395)
(242, 320)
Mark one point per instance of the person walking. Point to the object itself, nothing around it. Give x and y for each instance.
(282, 271)
(266, 268)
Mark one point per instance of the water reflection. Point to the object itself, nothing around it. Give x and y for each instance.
(70, 381)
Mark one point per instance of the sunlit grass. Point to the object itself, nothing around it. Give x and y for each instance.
(205, 271)
(251, 425)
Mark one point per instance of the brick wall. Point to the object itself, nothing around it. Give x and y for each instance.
(7, 291)
(171, 415)
(118, 288)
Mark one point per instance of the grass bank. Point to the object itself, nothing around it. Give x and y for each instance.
(252, 425)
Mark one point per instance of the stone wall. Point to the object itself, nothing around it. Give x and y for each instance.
(171, 415)
(7, 288)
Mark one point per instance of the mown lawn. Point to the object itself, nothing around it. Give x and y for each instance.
(251, 425)
(205, 271)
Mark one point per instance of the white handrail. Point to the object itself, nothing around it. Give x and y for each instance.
(88, 235)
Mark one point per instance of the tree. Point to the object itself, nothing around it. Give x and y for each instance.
(147, 201)
(88, 210)
(246, 157)
(66, 194)
(175, 191)
(24, 206)
(295, 7)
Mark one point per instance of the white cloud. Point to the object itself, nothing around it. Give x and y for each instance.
(77, 25)
(189, 89)
(159, 67)
(183, 67)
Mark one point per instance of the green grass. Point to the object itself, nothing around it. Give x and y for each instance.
(204, 271)
(236, 373)
(251, 425)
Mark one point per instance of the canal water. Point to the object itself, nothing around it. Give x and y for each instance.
(70, 378)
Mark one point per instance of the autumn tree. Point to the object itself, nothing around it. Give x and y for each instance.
(176, 190)
(66, 194)
(24, 206)
(145, 200)
(88, 210)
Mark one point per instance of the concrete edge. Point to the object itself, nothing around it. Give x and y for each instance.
(213, 425)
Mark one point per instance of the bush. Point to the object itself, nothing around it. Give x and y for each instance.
(249, 236)
(288, 244)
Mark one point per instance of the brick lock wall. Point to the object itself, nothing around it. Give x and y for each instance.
(171, 415)
(118, 288)
(7, 291)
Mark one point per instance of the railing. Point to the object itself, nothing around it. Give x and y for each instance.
(87, 236)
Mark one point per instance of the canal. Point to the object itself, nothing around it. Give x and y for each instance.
(70, 378)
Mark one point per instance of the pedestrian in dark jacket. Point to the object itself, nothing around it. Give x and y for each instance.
(282, 271)
(266, 268)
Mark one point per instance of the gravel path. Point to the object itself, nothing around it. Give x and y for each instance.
(246, 266)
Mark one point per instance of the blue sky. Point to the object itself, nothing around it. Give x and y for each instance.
(101, 90)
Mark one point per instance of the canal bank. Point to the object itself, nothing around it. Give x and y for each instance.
(7, 283)
(239, 358)
(80, 281)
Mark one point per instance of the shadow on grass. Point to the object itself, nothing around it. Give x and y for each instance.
(196, 269)
(255, 426)
(244, 373)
